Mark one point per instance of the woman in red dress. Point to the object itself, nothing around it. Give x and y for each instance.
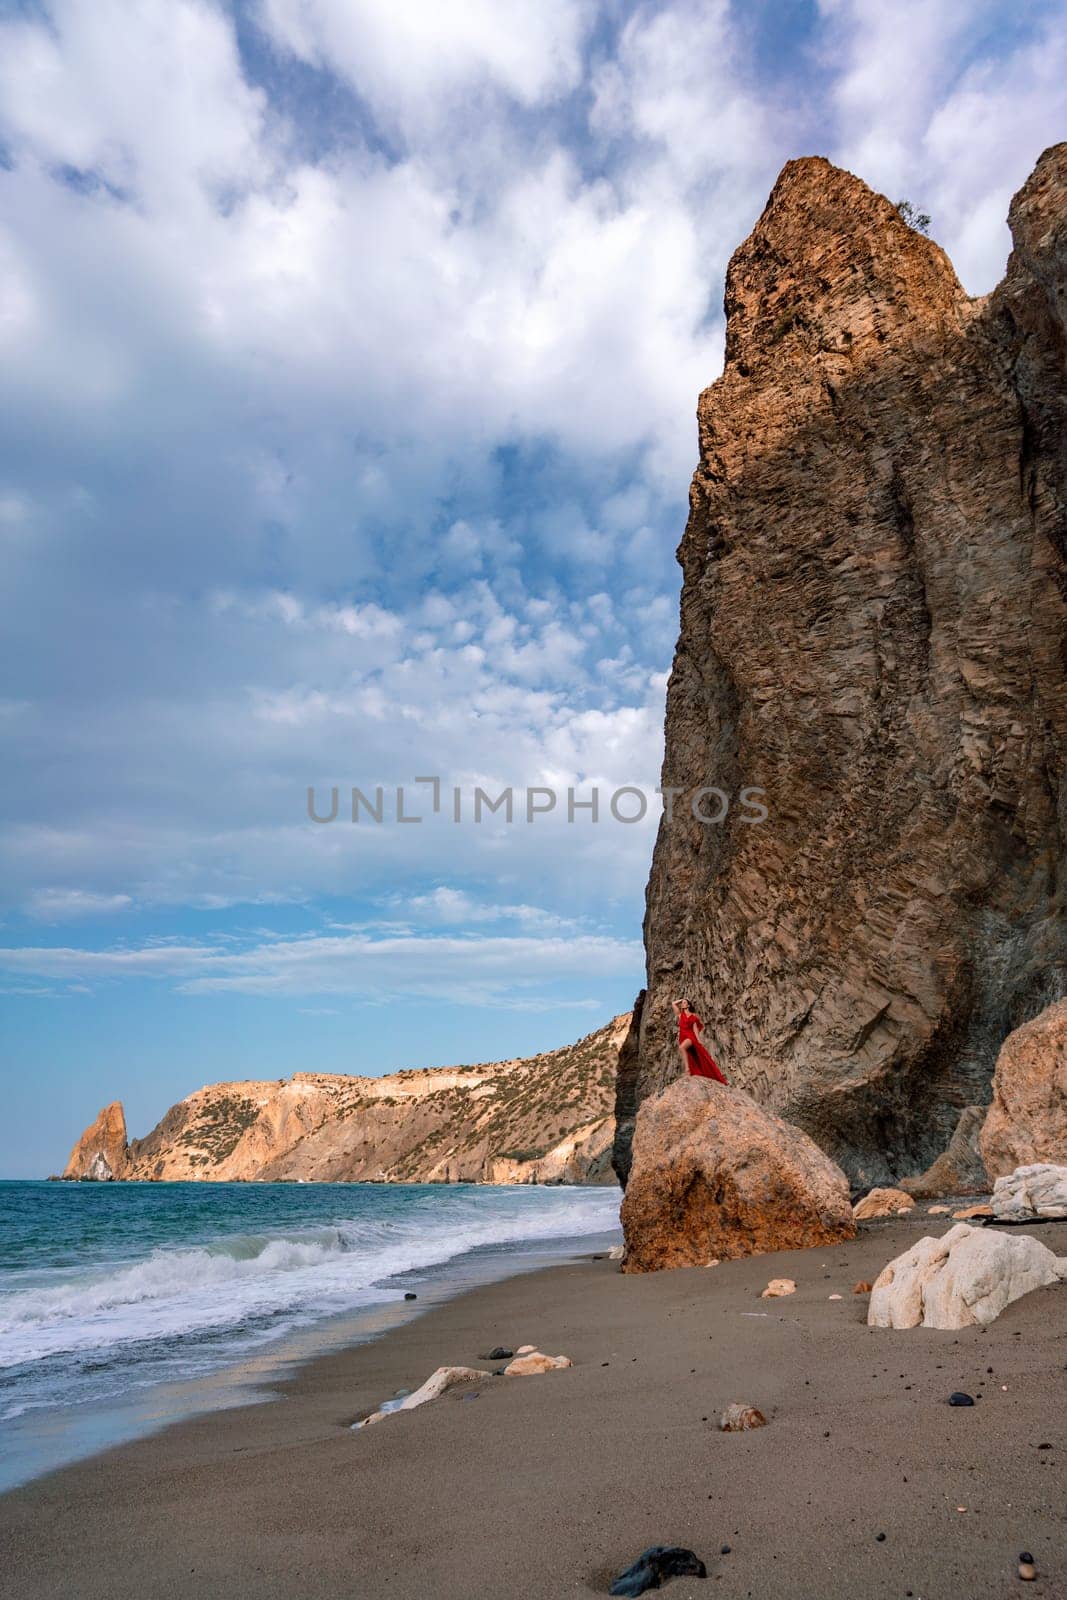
(698, 1062)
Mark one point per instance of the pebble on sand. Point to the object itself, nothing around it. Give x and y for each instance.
(741, 1419)
(1027, 1567)
(960, 1399)
(653, 1565)
(779, 1287)
(863, 1287)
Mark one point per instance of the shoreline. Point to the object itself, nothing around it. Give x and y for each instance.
(550, 1485)
(41, 1440)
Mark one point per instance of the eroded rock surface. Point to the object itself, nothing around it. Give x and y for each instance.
(714, 1176)
(873, 631)
(1031, 1194)
(1027, 1121)
(964, 1278)
(959, 1169)
(101, 1153)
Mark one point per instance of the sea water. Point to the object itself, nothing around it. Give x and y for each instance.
(124, 1305)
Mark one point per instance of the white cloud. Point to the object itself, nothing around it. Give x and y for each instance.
(406, 60)
(60, 905)
(516, 972)
(412, 409)
(940, 104)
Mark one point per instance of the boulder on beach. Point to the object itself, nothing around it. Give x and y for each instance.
(1031, 1193)
(716, 1176)
(1027, 1121)
(965, 1278)
(883, 1203)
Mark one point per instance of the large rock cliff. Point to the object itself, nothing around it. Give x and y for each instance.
(874, 631)
(101, 1153)
(544, 1119)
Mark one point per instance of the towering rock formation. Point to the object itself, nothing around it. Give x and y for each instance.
(544, 1119)
(873, 630)
(102, 1152)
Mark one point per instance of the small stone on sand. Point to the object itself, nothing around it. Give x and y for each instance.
(778, 1287)
(530, 1365)
(863, 1287)
(1027, 1567)
(653, 1565)
(741, 1419)
(960, 1399)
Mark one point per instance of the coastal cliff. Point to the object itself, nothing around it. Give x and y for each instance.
(545, 1119)
(874, 632)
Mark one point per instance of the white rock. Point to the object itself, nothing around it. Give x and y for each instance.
(616, 1252)
(1039, 1190)
(526, 1350)
(436, 1384)
(966, 1277)
(777, 1288)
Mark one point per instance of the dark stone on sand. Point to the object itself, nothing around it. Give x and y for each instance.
(411, 1295)
(960, 1399)
(725, 1551)
(656, 1563)
(499, 1354)
(880, 1537)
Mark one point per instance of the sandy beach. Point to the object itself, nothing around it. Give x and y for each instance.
(548, 1486)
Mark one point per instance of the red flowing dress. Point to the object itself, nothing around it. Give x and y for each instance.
(700, 1062)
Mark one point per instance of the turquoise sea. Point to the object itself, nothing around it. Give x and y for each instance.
(125, 1305)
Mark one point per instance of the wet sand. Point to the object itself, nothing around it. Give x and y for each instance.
(548, 1486)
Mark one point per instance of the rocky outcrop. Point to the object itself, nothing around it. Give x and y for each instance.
(1031, 1194)
(716, 1177)
(543, 1119)
(959, 1169)
(101, 1153)
(965, 1278)
(874, 633)
(1027, 1121)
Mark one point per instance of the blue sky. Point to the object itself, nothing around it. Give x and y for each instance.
(349, 353)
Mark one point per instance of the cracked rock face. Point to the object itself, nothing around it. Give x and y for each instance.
(102, 1152)
(874, 631)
